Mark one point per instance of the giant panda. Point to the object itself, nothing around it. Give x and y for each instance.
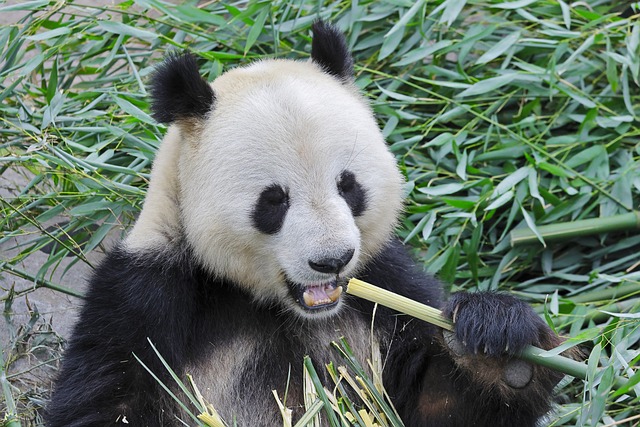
(272, 187)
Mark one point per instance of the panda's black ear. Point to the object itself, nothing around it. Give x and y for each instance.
(178, 91)
(329, 50)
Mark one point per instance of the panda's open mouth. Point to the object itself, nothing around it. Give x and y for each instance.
(316, 296)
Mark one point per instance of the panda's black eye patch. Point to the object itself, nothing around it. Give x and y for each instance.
(270, 209)
(352, 192)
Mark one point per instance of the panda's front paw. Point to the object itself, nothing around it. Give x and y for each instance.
(493, 324)
(516, 373)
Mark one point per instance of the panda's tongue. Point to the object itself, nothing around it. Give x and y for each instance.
(316, 295)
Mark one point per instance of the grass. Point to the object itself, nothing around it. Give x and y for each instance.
(504, 116)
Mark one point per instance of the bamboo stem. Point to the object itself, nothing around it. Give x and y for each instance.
(399, 303)
(617, 292)
(39, 283)
(585, 227)
(434, 316)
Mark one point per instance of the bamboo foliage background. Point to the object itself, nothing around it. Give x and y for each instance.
(503, 116)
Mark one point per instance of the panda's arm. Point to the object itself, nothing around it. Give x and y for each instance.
(461, 379)
(131, 299)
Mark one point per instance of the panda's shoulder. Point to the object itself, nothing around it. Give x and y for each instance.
(153, 282)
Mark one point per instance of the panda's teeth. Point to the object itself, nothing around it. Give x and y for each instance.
(308, 300)
(335, 294)
(315, 296)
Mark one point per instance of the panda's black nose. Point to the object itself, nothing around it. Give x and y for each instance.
(332, 265)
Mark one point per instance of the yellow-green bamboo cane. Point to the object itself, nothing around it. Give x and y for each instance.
(574, 229)
(434, 316)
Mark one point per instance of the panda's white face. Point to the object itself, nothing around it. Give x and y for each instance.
(276, 176)
(287, 187)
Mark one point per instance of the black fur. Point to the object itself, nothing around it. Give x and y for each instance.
(353, 193)
(188, 314)
(483, 322)
(270, 209)
(178, 90)
(329, 50)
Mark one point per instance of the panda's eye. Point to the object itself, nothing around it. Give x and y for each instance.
(274, 195)
(352, 192)
(270, 209)
(347, 182)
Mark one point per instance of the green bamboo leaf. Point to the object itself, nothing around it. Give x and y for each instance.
(396, 95)
(428, 227)
(585, 156)
(623, 315)
(426, 221)
(532, 225)
(442, 83)
(612, 69)
(88, 209)
(579, 96)
(533, 186)
(27, 5)
(52, 84)
(406, 17)
(634, 380)
(441, 190)
(99, 235)
(566, 14)
(448, 271)
(50, 34)
(390, 44)
(134, 111)
(626, 95)
(466, 205)
(514, 4)
(256, 28)
(575, 340)
(500, 201)
(451, 11)
(32, 64)
(578, 52)
(511, 181)
(422, 52)
(633, 40)
(499, 48)
(194, 14)
(488, 85)
(555, 170)
(127, 30)
(620, 59)
(461, 167)
(437, 265)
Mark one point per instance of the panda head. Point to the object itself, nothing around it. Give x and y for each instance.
(280, 180)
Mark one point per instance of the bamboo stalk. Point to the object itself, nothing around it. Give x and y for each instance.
(617, 292)
(399, 303)
(434, 316)
(39, 283)
(581, 228)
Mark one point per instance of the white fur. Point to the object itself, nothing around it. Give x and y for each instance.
(274, 122)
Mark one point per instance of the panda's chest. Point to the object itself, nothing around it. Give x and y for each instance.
(239, 373)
